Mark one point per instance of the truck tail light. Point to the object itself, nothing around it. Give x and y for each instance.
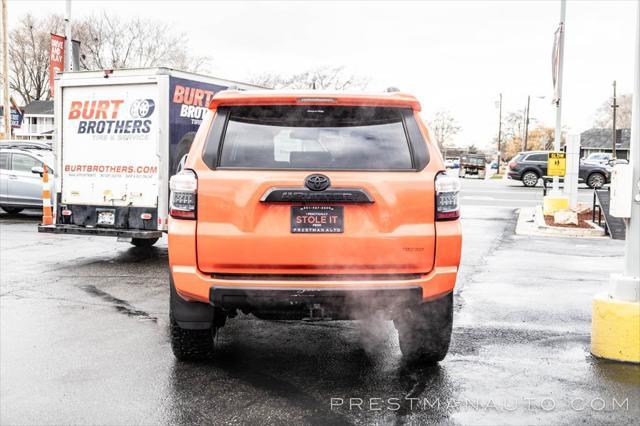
(447, 189)
(184, 190)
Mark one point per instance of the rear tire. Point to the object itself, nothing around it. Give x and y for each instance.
(424, 332)
(530, 179)
(12, 210)
(144, 242)
(191, 345)
(596, 180)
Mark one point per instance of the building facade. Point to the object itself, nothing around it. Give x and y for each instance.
(599, 140)
(37, 122)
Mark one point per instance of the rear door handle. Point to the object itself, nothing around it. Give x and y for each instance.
(14, 177)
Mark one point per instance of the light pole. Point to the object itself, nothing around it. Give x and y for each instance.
(558, 134)
(632, 254)
(554, 201)
(68, 44)
(526, 120)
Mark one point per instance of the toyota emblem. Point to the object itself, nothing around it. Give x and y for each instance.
(317, 182)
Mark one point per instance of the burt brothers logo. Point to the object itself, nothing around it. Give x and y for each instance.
(111, 117)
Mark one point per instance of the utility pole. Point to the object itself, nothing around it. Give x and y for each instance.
(526, 123)
(5, 74)
(614, 135)
(499, 130)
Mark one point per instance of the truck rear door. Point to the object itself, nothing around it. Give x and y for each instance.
(109, 147)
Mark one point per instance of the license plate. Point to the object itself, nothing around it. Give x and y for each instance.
(317, 219)
(106, 218)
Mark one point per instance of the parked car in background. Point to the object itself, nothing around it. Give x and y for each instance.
(21, 168)
(449, 164)
(473, 165)
(313, 206)
(530, 166)
(494, 165)
(456, 163)
(602, 158)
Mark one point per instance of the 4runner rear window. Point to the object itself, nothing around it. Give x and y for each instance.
(314, 137)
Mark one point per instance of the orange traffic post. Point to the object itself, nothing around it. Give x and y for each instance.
(47, 217)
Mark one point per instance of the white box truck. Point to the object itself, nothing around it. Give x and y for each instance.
(120, 136)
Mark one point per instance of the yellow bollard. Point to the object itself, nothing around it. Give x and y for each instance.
(615, 329)
(554, 203)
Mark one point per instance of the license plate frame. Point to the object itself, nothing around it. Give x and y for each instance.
(106, 217)
(317, 219)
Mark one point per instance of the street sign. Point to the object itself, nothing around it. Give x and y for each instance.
(556, 164)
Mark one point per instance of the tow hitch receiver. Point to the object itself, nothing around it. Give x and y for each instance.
(316, 313)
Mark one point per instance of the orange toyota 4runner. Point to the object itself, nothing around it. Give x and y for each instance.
(313, 206)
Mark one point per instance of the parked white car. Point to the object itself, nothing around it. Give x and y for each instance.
(21, 167)
(601, 158)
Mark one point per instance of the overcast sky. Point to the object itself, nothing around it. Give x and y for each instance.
(456, 56)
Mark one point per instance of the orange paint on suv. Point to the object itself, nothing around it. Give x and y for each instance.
(313, 206)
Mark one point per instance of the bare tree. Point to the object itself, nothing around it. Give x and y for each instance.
(513, 125)
(604, 113)
(320, 78)
(106, 42)
(29, 56)
(443, 127)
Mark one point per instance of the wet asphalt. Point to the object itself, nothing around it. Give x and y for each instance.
(84, 340)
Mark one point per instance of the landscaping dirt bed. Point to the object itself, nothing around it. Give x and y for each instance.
(582, 218)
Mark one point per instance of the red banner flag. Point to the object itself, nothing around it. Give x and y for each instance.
(56, 59)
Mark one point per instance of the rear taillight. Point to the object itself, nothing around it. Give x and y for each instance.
(184, 190)
(447, 189)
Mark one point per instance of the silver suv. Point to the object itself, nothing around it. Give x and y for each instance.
(21, 167)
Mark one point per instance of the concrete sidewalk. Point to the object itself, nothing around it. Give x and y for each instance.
(524, 329)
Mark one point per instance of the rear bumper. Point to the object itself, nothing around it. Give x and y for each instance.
(514, 175)
(193, 285)
(105, 232)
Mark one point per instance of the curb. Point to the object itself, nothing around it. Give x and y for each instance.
(615, 329)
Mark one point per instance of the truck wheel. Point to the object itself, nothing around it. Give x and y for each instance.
(144, 242)
(530, 179)
(424, 332)
(595, 180)
(191, 345)
(12, 210)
